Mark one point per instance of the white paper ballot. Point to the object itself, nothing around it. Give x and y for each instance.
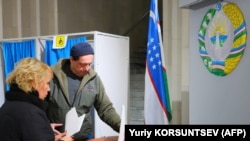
(73, 123)
(122, 126)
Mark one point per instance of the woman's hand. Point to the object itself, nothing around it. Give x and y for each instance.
(66, 138)
(58, 135)
(63, 137)
(54, 126)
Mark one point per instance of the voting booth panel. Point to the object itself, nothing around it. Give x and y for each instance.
(111, 62)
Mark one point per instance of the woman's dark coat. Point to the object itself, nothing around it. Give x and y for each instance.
(23, 118)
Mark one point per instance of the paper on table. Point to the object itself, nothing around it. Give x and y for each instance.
(73, 123)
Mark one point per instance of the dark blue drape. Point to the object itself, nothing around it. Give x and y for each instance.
(15, 51)
(53, 55)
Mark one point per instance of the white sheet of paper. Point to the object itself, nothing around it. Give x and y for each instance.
(122, 126)
(73, 123)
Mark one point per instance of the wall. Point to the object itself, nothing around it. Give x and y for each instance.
(31, 18)
(113, 16)
(28, 18)
(176, 49)
(215, 99)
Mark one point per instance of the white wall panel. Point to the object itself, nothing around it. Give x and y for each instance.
(112, 64)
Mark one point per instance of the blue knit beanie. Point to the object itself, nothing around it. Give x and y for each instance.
(81, 49)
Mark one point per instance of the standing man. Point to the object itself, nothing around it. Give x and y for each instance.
(76, 84)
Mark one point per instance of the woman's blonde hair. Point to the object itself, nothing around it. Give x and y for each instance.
(28, 73)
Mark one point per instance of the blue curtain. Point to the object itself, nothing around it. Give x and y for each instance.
(53, 55)
(15, 51)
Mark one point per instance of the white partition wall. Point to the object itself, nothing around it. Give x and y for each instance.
(112, 64)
